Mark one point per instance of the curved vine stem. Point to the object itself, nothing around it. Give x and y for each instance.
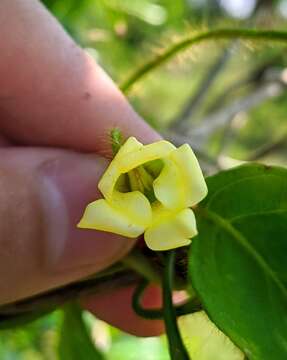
(177, 349)
(188, 307)
(267, 35)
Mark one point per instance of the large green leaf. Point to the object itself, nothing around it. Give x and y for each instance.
(238, 262)
(75, 342)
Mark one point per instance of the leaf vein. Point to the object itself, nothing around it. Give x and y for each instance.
(243, 241)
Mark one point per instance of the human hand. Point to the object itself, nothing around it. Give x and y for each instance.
(56, 106)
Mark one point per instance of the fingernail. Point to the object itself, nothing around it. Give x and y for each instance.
(69, 184)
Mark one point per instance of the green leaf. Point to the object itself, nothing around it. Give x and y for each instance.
(75, 342)
(238, 261)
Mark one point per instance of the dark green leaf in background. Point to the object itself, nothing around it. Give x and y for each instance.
(238, 261)
(75, 342)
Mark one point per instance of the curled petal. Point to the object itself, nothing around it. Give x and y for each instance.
(112, 173)
(171, 230)
(135, 205)
(145, 154)
(168, 186)
(192, 180)
(132, 144)
(128, 214)
(180, 183)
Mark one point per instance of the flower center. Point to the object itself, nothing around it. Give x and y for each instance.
(141, 179)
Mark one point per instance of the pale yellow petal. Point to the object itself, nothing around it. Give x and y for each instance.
(131, 144)
(128, 215)
(157, 150)
(169, 188)
(204, 341)
(135, 206)
(99, 215)
(108, 181)
(171, 230)
(192, 180)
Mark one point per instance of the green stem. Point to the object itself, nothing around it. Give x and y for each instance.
(177, 349)
(188, 307)
(142, 265)
(151, 314)
(268, 35)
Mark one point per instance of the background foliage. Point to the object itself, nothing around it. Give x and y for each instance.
(226, 98)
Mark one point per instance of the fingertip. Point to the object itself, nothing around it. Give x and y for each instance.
(76, 102)
(43, 195)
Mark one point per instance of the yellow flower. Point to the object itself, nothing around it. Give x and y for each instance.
(149, 189)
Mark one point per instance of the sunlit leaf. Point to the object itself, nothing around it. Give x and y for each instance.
(204, 341)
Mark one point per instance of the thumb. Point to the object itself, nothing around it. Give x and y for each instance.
(43, 193)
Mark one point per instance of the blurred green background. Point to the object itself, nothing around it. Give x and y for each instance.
(227, 99)
(239, 86)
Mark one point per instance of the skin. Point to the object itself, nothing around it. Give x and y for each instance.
(57, 107)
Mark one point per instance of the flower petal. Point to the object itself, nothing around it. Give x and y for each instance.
(169, 188)
(112, 173)
(128, 214)
(171, 230)
(135, 205)
(180, 183)
(157, 150)
(132, 144)
(193, 182)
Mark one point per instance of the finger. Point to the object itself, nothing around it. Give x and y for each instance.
(3, 141)
(52, 92)
(116, 309)
(42, 196)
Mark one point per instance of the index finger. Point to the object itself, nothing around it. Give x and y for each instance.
(52, 93)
